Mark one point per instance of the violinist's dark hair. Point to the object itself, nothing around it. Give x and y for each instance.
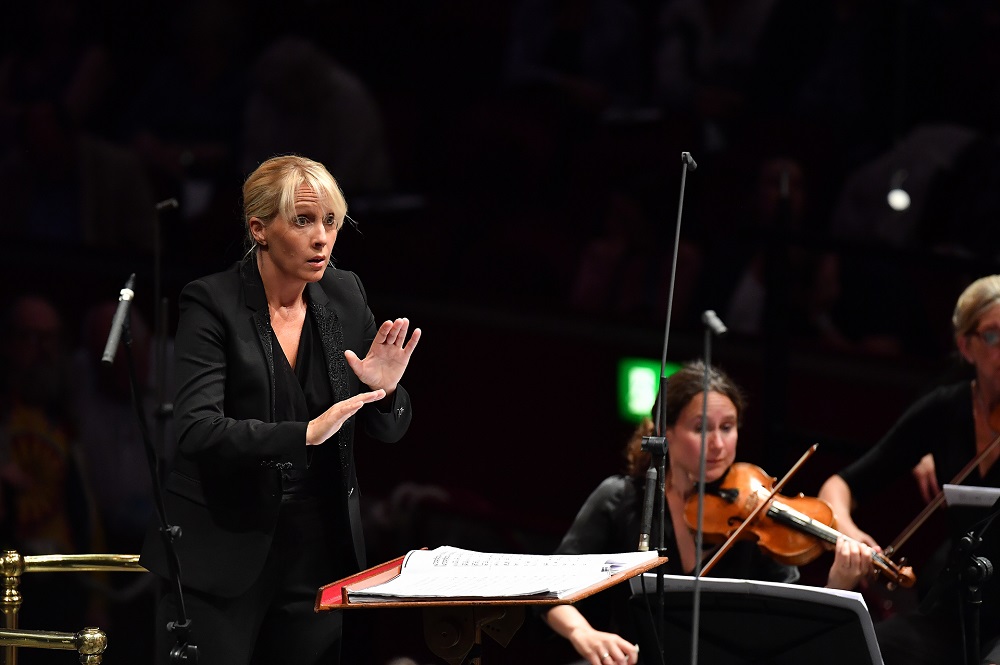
(682, 386)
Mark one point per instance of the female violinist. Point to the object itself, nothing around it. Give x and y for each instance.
(955, 423)
(609, 520)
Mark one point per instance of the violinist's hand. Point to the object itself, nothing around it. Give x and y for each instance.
(851, 530)
(852, 562)
(330, 421)
(926, 477)
(387, 358)
(600, 648)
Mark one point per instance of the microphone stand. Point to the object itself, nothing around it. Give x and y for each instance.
(184, 651)
(973, 572)
(164, 410)
(712, 326)
(657, 445)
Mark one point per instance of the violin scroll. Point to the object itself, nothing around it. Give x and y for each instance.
(897, 575)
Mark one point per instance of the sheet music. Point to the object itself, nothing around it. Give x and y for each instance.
(454, 557)
(450, 572)
(965, 495)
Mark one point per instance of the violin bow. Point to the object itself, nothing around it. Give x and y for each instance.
(936, 502)
(760, 506)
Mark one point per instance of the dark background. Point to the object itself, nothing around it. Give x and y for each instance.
(526, 214)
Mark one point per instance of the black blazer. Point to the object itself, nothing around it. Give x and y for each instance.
(224, 487)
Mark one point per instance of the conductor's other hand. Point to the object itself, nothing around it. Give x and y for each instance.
(331, 420)
(387, 358)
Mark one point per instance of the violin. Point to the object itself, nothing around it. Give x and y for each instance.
(791, 530)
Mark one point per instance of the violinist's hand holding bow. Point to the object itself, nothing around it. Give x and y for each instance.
(387, 358)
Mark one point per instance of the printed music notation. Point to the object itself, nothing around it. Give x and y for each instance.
(450, 572)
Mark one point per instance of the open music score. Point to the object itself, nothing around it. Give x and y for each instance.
(451, 574)
(455, 623)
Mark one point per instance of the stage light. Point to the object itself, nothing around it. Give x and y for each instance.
(898, 198)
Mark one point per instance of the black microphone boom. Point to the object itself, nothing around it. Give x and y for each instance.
(124, 300)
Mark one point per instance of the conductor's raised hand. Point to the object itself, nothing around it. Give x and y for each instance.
(388, 356)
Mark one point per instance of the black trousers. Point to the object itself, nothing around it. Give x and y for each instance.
(274, 621)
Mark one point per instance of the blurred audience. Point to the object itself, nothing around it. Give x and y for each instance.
(704, 55)
(185, 121)
(580, 54)
(863, 215)
(896, 269)
(772, 270)
(303, 101)
(47, 507)
(69, 188)
(625, 271)
(58, 53)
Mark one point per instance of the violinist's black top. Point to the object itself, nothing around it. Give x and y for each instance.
(942, 423)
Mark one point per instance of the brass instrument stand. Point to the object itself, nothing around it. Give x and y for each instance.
(89, 642)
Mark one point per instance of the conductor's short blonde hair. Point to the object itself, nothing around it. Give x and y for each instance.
(270, 190)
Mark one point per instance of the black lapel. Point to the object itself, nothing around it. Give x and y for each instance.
(256, 300)
(331, 334)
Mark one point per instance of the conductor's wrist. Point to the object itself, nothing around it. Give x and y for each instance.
(311, 436)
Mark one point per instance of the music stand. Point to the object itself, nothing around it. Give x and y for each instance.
(748, 622)
(454, 627)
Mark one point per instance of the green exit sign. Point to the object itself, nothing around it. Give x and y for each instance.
(638, 382)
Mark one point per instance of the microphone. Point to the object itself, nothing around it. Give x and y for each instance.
(710, 319)
(689, 160)
(124, 300)
(647, 510)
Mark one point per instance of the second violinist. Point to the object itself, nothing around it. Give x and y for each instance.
(957, 423)
(610, 519)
